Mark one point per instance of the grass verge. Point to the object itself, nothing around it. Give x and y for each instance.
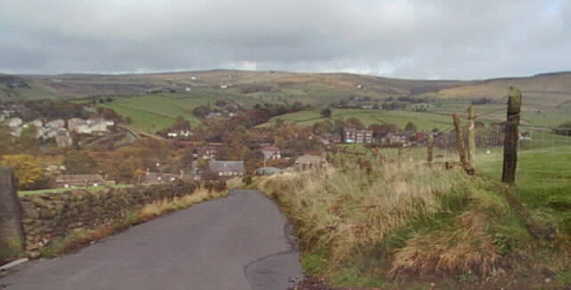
(405, 225)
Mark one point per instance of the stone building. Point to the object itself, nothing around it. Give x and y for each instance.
(356, 136)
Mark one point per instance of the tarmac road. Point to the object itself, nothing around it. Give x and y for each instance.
(241, 242)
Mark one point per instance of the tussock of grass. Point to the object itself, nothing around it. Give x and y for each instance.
(464, 248)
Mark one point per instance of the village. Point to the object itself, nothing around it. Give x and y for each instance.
(92, 147)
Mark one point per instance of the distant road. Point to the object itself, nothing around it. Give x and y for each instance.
(237, 243)
(139, 133)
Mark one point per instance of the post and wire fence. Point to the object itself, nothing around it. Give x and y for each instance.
(511, 149)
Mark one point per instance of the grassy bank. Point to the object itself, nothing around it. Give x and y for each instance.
(369, 224)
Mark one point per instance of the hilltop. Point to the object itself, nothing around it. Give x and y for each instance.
(315, 88)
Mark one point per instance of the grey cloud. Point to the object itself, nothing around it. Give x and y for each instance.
(399, 38)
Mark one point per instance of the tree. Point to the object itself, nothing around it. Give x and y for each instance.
(410, 127)
(30, 173)
(326, 113)
(253, 160)
(201, 111)
(77, 162)
(563, 129)
(354, 123)
(323, 127)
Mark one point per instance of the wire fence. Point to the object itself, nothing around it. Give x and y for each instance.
(544, 152)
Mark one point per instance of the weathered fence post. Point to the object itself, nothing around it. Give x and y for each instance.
(511, 136)
(460, 142)
(11, 232)
(471, 135)
(430, 149)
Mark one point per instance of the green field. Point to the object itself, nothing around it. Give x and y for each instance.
(424, 121)
(151, 113)
(532, 115)
(543, 174)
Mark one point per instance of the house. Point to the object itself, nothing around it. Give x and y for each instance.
(271, 153)
(219, 169)
(421, 137)
(356, 136)
(90, 126)
(227, 168)
(81, 180)
(56, 124)
(266, 171)
(151, 178)
(395, 139)
(63, 139)
(14, 122)
(179, 134)
(309, 162)
(206, 152)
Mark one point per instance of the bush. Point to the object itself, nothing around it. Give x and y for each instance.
(28, 171)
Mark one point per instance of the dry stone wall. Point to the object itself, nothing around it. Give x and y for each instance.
(50, 216)
(11, 234)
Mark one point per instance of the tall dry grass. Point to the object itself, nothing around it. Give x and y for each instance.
(161, 207)
(350, 209)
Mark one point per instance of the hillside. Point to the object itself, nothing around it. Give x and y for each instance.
(543, 89)
(317, 88)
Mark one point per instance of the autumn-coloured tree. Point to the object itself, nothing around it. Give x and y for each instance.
(30, 173)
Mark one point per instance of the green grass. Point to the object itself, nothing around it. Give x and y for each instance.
(151, 113)
(537, 115)
(60, 190)
(541, 174)
(423, 121)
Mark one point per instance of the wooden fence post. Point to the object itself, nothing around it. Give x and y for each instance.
(511, 136)
(460, 142)
(471, 135)
(430, 149)
(11, 231)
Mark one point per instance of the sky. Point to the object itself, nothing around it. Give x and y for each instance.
(429, 39)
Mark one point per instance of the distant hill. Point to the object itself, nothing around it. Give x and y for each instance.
(315, 88)
(547, 89)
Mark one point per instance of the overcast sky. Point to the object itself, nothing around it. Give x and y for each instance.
(434, 39)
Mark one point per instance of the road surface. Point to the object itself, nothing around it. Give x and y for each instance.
(241, 242)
